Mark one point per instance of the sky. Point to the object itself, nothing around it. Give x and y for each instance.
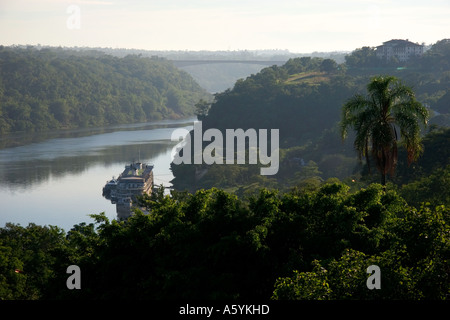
(300, 26)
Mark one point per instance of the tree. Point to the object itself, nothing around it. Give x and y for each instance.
(328, 65)
(389, 107)
(364, 57)
(201, 109)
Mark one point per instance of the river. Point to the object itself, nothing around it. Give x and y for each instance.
(56, 178)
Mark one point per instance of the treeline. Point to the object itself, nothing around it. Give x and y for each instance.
(212, 245)
(437, 58)
(55, 88)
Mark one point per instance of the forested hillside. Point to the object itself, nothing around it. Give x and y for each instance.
(54, 88)
(303, 99)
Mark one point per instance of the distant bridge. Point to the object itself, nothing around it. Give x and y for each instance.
(186, 63)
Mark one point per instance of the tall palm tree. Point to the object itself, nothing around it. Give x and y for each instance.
(389, 113)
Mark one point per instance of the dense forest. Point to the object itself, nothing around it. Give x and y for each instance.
(307, 233)
(55, 88)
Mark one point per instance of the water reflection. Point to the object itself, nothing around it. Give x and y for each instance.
(34, 168)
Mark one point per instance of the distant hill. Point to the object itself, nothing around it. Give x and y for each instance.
(54, 88)
(219, 77)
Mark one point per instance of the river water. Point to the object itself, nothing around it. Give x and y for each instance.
(56, 178)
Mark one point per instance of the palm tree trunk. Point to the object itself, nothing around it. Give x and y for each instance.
(383, 168)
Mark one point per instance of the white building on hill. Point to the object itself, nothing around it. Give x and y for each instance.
(403, 50)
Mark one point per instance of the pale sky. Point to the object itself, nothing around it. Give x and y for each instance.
(298, 26)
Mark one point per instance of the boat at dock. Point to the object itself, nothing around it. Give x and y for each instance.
(136, 180)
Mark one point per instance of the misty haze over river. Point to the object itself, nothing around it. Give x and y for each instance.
(56, 178)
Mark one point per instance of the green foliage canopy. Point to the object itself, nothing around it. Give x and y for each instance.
(213, 245)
